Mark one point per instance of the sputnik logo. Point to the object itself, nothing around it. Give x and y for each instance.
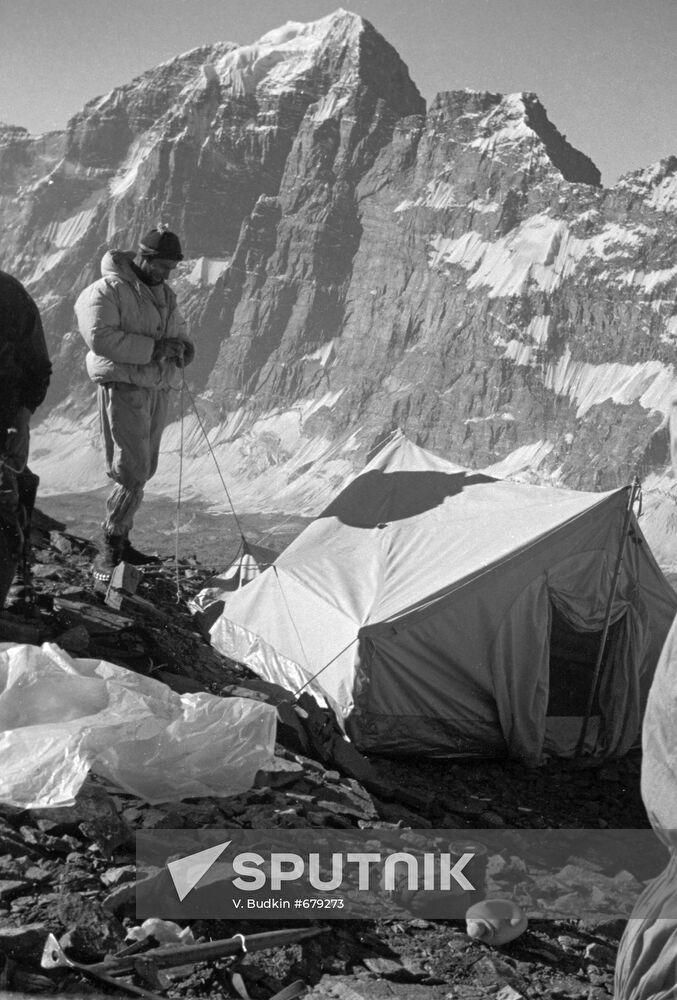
(187, 872)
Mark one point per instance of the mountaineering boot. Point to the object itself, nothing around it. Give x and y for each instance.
(135, 558)
(108, 558)
(8, 559)
(19, 600)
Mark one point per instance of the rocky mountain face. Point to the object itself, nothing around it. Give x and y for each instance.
(357, 263)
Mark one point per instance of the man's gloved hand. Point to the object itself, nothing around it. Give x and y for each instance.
(160, 350)
(17, 440)
(169, 349)
(187, 355)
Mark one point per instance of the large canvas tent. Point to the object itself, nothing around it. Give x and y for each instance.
(442, 611)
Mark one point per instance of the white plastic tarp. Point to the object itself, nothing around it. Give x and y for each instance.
(62, 717)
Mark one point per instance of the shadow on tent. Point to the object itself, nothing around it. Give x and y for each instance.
(376, 497)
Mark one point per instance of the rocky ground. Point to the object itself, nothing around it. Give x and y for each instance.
(70, 871)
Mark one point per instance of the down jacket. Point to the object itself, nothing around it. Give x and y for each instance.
(121, 318)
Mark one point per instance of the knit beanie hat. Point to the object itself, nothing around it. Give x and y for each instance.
(160, 242)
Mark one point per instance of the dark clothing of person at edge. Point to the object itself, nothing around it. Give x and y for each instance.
(25, 371)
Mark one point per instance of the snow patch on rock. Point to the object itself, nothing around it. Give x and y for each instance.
(656, 279)
(670, 334)
(506, 417)
(483, 207)
(648, 280)
(650, 383)
(525, 350)
(208, 270)
(324, 355)
(330, 105)
(126, 177)
(664, 196)
(522, 460)
(69, 231)
(541, 251)
(440, 194)
(45, 263)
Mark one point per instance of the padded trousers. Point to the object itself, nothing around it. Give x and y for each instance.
(132, 420)
(17, 499)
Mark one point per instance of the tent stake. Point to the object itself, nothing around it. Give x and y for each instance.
(634, 491)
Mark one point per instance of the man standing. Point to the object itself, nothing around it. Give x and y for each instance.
(25, 371)
(137, 341)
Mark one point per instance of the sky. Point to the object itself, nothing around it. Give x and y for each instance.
(605, 70)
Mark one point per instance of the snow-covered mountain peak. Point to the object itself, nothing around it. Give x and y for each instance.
(507, 121)
(11, 131)
(513, 130)
(312, 30)
(657, 184)
(282, 57)
(518, 123)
